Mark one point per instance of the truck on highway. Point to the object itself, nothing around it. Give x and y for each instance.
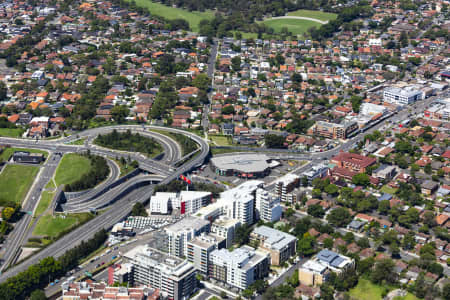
(88, 274)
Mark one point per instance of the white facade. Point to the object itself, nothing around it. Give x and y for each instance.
(241, 266)
(268, 207)
(193, 200)
(180, 233)
(174, 277)
(225, 227)
(159, 203)
(402, 96)
(189, 202)
(370, 109)
(238, 203)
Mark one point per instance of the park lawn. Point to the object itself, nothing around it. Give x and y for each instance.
(7, 152)
(315, 14)
(11, 132)
(53, 226)
(44, 202)
(15, 181)
(221, 140)
(170, 13)
(295, 26)
(366, 290)
(388, 190)
(72, 168)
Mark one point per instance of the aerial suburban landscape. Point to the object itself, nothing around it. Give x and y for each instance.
(234, 149)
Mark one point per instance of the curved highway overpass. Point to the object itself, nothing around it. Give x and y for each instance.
(120, 208)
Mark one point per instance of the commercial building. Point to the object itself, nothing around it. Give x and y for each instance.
(100, 290)
(268, 207)
(174, 277)
(200, 248)
(188, 202)
(315, 271)
(240, 267)
(370, 109)
(27, 157)
(402, 96)
(285, 185)
(159, 203)
(333, 130)
(438, 111)
(279, 244)
(385, 172)
(225, 227)
(180, 233)
(243, 165)
(317, 171)
(353, 162)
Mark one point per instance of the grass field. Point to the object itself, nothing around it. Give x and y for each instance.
(53, 226)
(315, 14)
(71, 168)
(44, 202)
(297, 27)
(7, 152)
(366, 290)
(221, 140)
(171, 13)
(388, 190)
(15, 181)
(11, 132)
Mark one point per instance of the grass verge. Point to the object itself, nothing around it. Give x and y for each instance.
(44, 202)
(15, 181)
(12, 132)
(60, 224)
(72, 168)
(78, 142)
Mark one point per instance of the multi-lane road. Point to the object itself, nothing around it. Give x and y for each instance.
(126, 194)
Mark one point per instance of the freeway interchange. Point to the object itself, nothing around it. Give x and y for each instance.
(137, 189)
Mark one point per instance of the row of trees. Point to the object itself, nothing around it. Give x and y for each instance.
(99, 171)
(41, 274)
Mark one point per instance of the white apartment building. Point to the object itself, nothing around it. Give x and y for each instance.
(188, 202)
(239, 202)
(239, 268)
(159, 203)
(180, 233)
(200, 248)
(285, 185)
(174, 277)
(268, 207)
(402, 96)
(225, 227)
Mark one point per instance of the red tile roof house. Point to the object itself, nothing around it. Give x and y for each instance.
(352, 161)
